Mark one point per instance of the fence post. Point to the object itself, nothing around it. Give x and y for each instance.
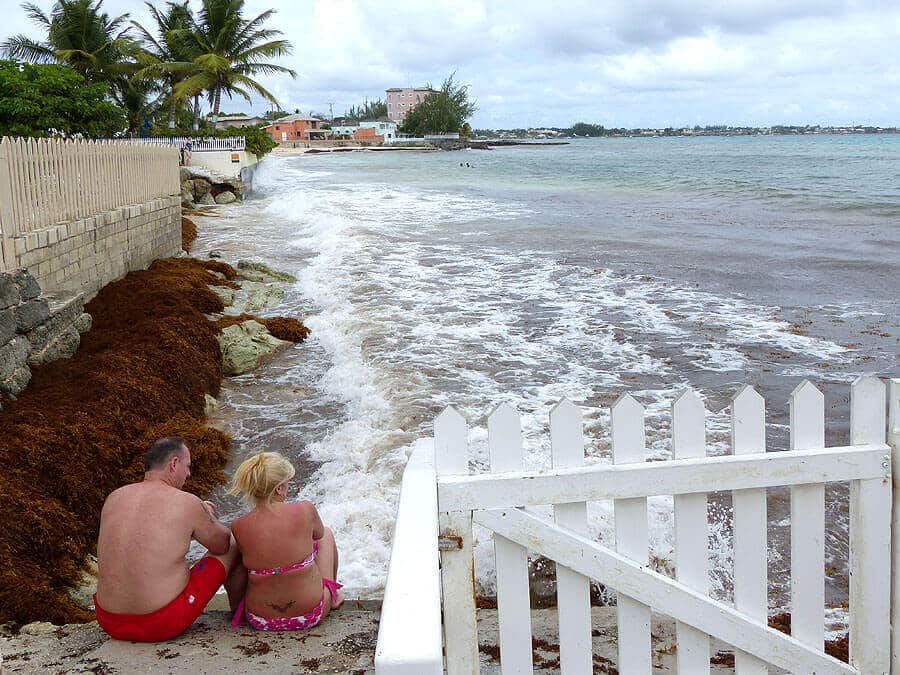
(457, 573)
(894, 442)
(870, 537)
(7, 225)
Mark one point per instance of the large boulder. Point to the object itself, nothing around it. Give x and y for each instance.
(27, 285)
(225, 197)
(258, 271)
(201, 187)
(31, 313)
(9, 291)
(62, 346)
(7, 325)
(245, 345)
(256, 296)
(207, 200)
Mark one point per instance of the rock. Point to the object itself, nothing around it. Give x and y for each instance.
(263, 271)
(215, 253)
(38, 628)
(184, 174)
(210, 405)
(225, 197)
(201, 188)
(7, 325)
(84, 322)
(259, 296)
(187, 185)
(188, 205)
(245, 344)
(227, 294)
(207, 200)
(64, 311)
(62, 346)
(9, 291)
(82, 593)
(31, 313)
(27, 285)
(13, 355)
(15, 384)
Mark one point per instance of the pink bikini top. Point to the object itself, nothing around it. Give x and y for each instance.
(306, 562)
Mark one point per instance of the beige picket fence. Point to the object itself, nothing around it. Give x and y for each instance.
(45, 182)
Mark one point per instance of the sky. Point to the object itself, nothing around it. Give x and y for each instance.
(641, 63)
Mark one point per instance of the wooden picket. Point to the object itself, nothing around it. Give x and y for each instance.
(632, 538)
(48, 181)
(691, 547)
(572, 589)
(513, 597)
(807, 413)
(496, 499)
(457, 559)
(748, 437)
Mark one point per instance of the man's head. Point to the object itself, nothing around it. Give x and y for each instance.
(169, 458)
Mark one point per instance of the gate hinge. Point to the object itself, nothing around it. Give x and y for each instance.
(449, 542)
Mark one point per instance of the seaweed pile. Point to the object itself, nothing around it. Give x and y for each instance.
(188, 234)
(80, 429)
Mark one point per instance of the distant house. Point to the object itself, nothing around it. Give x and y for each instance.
(371, 130)
(387, 129)
(239, 121)
(403, 99)
(296, 128)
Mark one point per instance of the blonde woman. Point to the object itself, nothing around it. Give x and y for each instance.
(291, 558)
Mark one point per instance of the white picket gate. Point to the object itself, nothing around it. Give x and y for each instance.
(440, 500)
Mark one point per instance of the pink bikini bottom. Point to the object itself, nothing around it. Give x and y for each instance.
(308, 620)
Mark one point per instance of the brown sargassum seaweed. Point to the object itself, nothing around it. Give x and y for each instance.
(80, 429)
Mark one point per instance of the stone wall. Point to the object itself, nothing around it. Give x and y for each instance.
(82, 256)
(35, 329)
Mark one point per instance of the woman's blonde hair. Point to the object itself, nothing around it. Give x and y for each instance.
(258, 476)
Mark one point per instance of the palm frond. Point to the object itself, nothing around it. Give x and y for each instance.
(34, 13)
(22, 48)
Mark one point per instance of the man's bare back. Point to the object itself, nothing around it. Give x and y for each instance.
(145, 531)
(145, 589)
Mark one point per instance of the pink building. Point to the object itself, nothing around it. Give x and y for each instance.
(401, 101)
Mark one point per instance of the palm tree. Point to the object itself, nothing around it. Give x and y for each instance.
(230, 51)
(78, 35)
(166, 57)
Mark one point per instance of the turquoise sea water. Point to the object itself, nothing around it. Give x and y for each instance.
(579, 271)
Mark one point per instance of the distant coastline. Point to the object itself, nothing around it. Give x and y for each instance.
(583, 130)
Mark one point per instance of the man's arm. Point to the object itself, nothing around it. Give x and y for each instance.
(211, 533)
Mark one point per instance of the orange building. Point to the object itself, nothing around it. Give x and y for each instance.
(367, 134)
(296, 128)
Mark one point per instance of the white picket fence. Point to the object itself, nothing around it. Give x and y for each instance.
(197, 144)
(48, 181)
(428, 626)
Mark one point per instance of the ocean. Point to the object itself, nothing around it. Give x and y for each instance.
(528, 274)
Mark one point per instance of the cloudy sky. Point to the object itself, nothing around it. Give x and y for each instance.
(637, 63)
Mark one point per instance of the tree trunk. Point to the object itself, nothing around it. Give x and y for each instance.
(196, 125)
(172, 105)
(215, 112)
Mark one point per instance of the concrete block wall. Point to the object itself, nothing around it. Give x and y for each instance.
(84, 255)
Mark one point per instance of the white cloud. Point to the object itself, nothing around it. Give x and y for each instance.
(638, 63)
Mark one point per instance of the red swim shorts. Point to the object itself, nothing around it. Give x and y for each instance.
(206, 576)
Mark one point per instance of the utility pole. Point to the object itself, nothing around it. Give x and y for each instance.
(331, 110)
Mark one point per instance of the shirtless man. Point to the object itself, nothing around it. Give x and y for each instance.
(145, 589)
